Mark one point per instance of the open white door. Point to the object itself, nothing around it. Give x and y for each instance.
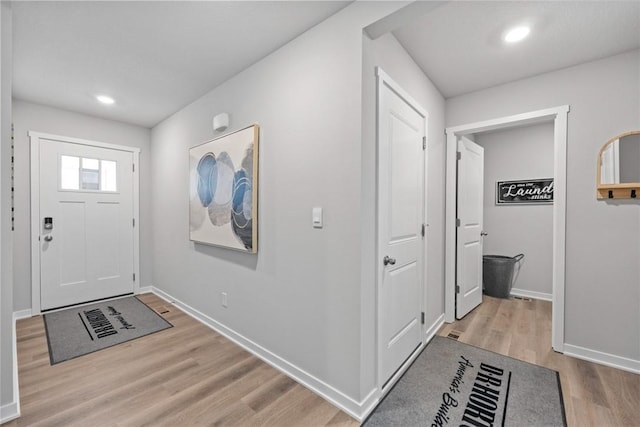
(401, 174)
(85, 223)
(469, 236)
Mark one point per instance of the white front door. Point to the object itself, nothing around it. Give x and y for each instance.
(469, 237)
(401, 192)
(86, 223)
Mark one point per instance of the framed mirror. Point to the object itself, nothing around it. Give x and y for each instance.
(618, 172)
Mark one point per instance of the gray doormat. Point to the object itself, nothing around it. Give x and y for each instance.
(82, 330)
(453, 384)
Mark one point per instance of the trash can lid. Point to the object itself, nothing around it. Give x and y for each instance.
(496, 257)
(502, 257)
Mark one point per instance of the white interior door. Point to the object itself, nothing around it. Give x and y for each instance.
(469, 236)
(401, 166)
(86, 223)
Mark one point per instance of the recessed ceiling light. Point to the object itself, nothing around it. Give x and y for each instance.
(105, 99)
(516, 34)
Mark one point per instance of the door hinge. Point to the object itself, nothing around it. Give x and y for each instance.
(457, 289)
(133, 221)
(134, 277)
(424, 142)
(422, 317)
(459, 155)
(133, 167)
(457, 222)
(423, 229)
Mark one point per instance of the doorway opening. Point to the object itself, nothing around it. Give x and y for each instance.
(518, 211)
(558, 116)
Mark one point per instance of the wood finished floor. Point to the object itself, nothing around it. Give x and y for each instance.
(190, 375)
(594, 395)
(187, 375)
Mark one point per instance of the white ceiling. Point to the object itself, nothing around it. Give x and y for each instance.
(459, 46)
(152, 57)
(156, 57)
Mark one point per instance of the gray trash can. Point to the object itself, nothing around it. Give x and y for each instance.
(497, 274)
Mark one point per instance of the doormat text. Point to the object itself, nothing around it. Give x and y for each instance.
(482, 402)
(101, 325)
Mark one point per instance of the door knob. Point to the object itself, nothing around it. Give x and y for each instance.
(484, 233)
(48, 238)
(387, 260)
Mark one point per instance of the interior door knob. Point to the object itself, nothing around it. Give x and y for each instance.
(484, 233)
(387, 260)
(48, 238)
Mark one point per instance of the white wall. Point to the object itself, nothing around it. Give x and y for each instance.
(603, 238)
(516, 154)
(8, 399)
(299, 298)
(33, 117)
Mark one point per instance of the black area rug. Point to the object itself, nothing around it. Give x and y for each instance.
(78, 331)
(454, 384)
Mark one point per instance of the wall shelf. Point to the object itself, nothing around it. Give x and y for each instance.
(619, 191)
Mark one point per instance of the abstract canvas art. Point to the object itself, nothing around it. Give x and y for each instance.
(223, 191)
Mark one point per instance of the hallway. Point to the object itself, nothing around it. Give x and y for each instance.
(191, 375)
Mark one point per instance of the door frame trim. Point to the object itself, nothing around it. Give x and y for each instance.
(557, 115)
(34, 138)
(383, 79)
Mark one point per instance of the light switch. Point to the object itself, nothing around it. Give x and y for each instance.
(317, 217)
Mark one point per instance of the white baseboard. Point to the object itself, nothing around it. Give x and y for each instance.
(531, 294)
(606, 359)
(145, 289)
(22, 314)
(328, 392)
(11, 411)
(433, 329)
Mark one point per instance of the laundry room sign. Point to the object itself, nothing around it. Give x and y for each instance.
(529, 191)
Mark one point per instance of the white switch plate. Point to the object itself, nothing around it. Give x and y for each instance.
(316, 215)
(225, 302)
